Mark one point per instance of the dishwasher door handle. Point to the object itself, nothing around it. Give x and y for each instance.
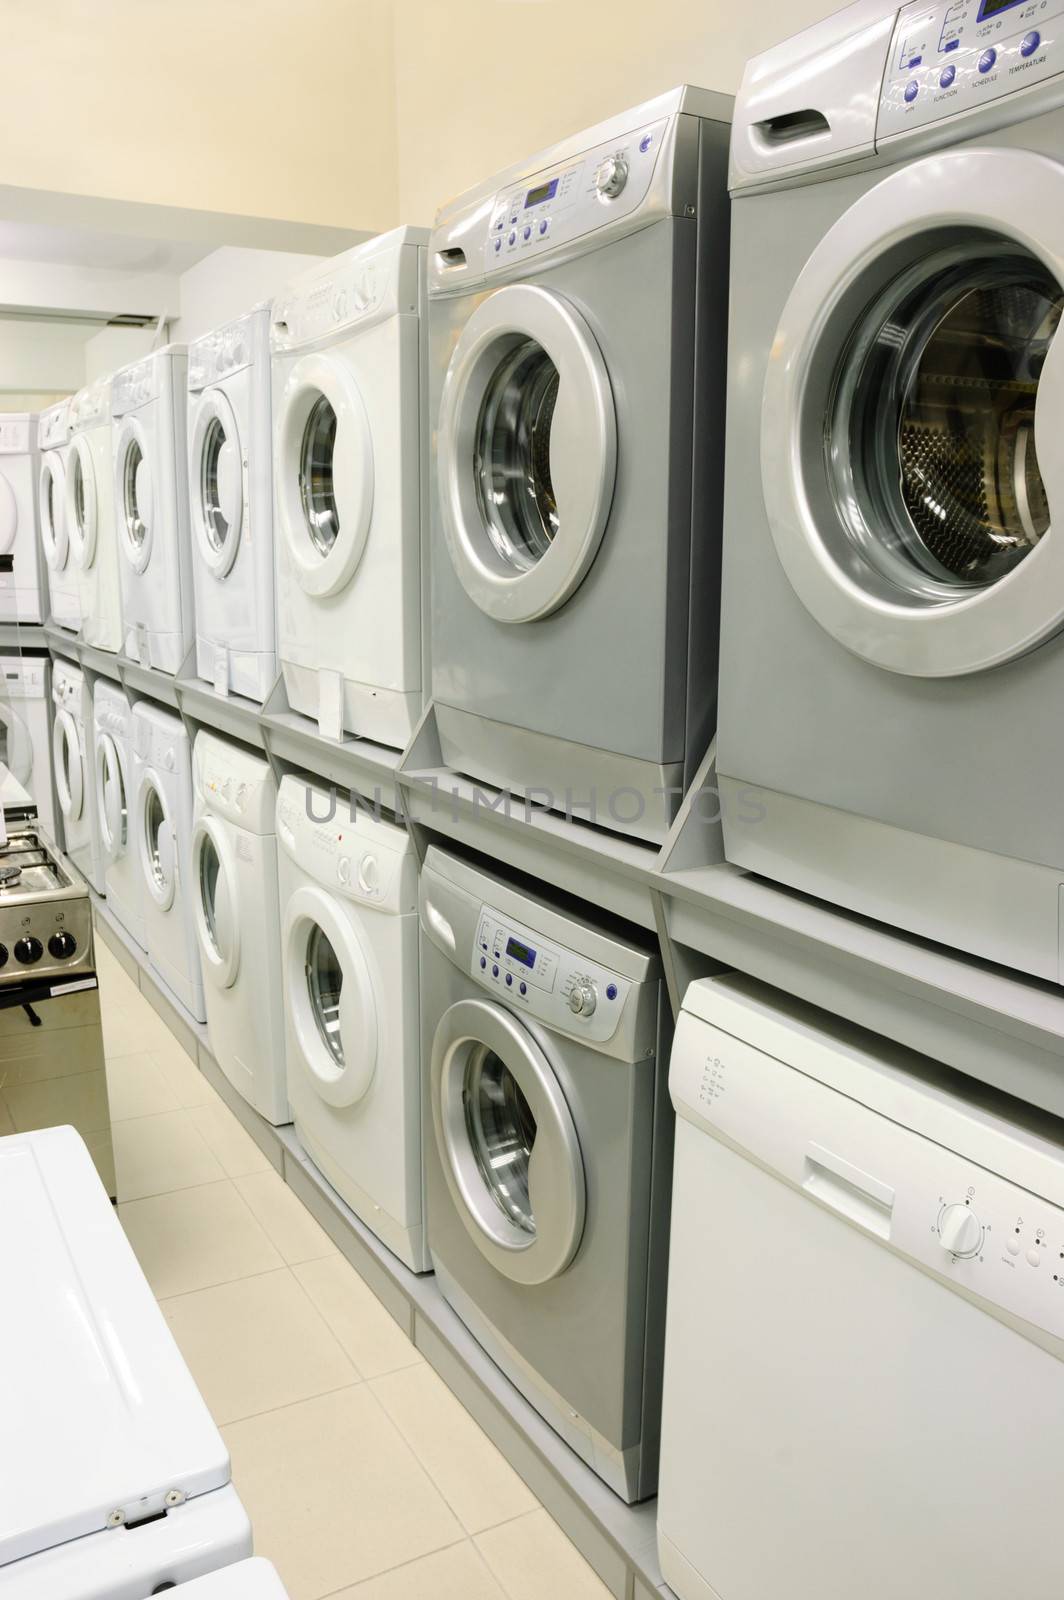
(858, 1195)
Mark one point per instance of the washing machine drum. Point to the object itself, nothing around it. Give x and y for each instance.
(218, 482)
(112, 797)
(157, 841)
(330, 998)
(134, 493)
(52, 498)
(217, 902)
(527, 453)
(82, 503)
(507, 1142)
(69, 769)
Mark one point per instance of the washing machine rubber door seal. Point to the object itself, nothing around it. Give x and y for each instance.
(339, 1083)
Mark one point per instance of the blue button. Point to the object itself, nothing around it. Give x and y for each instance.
(528, 232)
(483, 961)
(954, 44)
(495, 972)
(524, 988)
(1030, 42)
(912, 89)
(946, 77)
(513, 236)
(611, 991)
(915, 61)
(645, 142)
(988, 61)
(498, 245)
(544, 225)
(509, 980)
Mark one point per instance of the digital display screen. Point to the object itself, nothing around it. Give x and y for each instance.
(521, 952)
(547, 191)
(990, 8)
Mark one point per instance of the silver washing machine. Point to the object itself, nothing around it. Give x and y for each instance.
(577, 334)
(893, 594)
(548, 1154)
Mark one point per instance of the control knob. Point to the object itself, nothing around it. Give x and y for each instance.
(369, 874)
(960, 1231)
(611, 175)
(3, 955)
(582, 999)
(62, 945)
(28, 950)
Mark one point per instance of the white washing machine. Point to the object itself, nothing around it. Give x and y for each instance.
(74, 764)
(162, 841)
(245, 1580)
(230, 487)
(116, 1483)
(112, 716)
(53, 437)
(148, 408)
(350, 972)
(26, 731)
(22, 589)
(548, 1153)
(233, 885)
(90, 517)
(864, 1391)
(349, 444)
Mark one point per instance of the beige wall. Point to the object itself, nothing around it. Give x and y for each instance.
(277, 108)
(481, 83)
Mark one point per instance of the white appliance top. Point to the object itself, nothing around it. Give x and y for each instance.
(18, 433)
(68, 683)
(22, 677)
(102, 1423)
(616, 176)
(375, 280)
(339, 841)
(223, 351)
(244, 1580)
(234, 783)
(146, 380)
(872, 74)
(53, 425)
(91, 406)
(111, 707)
(160, 737)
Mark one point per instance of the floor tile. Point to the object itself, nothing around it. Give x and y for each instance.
(285, 1218)
(457, 1573)
(186, 1080)
(334, 1494)
(256, 1344)
(155, 1155)
(533, 1560)
(129, 1024)
(235, 1149)
(137, 1087)
(372, 1338)
(196, 1238)
(479, 1485)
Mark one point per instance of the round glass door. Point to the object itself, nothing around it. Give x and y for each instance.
(16, 746)
(81, 503)
(218, 504)
(329, 999)
(8, 516)
(506, 1142)
(134, 494)
(325, 478)
(217, 911)
(66, 756)
(52, 510)
(527, 450)
(911, 414)
(111, 798)
(158, 846)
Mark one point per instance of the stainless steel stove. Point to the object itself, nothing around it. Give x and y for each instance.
(51, 1041)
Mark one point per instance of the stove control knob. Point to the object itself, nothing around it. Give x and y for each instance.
(62, 945)
(611, 176)
(3, 955)
(28, 950)
(582, 999)
(960, 1231)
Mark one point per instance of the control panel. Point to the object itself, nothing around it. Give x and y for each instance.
(44, 938)
(558, 986)
(347, 296)
(14, 435)
(133, 386)
(959, 54)
(225, 351)
(345, 848)
(91, 406)
(564, 202)
(53, 427)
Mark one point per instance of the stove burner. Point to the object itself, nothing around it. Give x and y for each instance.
(9, 875)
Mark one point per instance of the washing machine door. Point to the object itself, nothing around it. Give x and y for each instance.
(217, 902)
(112, 797)
(912, 417)
(527, 447)
(81, 503)
(507, 1142)
(69, 768)
(217, 458)
(156, 840)
(324, 473)
(52, 500)
(134, 493)
(329, 996)
(8, 515)
(16, 746)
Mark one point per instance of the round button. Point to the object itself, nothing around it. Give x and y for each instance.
(28, 950)
(498, 245)
(62, 945)
(611, 991)
(1034, 1257)
(509, 980)
(912, 89)
(947, 77)
(343, 869)
(1030, 42)
(528, 230)
(513, 237)
(3, 955)
(544, 225)
(524, 986)
(483, 961)
(495, 972)
(645, 142)
(988, 60)
(369, 874)
(960, 1231)
(1013, 1246)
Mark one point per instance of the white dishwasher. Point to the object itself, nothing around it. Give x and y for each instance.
(864, 1394)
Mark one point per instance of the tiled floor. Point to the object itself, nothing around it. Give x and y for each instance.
(364, 1477)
